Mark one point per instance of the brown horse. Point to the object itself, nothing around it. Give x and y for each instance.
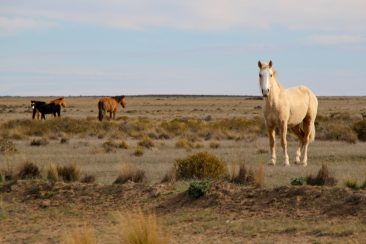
(58, 101)
(110, 104)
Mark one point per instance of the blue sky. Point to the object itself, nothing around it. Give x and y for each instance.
(110, 47)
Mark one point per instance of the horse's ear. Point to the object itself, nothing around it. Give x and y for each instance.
(259, 64)
(270, 64)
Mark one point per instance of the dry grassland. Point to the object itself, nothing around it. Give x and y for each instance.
(151, 134)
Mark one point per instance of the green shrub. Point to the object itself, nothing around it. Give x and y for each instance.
(322, 178)
(360, 129)
(29, 171)
(298, 181)
(198, 188)
(200, 166)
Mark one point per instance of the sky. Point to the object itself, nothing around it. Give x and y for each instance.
(198, 47)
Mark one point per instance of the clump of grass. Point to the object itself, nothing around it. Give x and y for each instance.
(80, 236)
(146, 142)
(7, 146)
(360, 128)
(352, 183)
(88, 179)
(29, 171)
(259, 175)
(170, 176)
(123, 145)
(52, 173)
(336, 131)
(298, 181)
(214, 145)
(323, 177)
(69, 173)
(64, 140)
(242, 175)
(137, 227)
(39, 142)
(130, 173)
(198, 189)
(183, 143)
(110, 146)
(200, 166)
(138, 152)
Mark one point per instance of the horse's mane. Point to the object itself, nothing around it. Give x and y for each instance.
(118, 98)
(275, 77)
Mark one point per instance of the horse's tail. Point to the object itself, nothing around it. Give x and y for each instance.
(100, 108)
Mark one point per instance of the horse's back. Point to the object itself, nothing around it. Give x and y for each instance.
(107, 103)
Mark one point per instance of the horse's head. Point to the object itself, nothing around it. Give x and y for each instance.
(62, 101)
(266, 75)
(33, 104)
(123, 102)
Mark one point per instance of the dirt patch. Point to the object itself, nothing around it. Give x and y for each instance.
(219, 214)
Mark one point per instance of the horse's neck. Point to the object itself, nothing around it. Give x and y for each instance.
(276, 95)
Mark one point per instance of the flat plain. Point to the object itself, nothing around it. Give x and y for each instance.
(232, 128)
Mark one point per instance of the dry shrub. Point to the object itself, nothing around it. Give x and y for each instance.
(130, 173)
(69, 173)
(183, 143)
(88, 179)
(7, 146)
(200, 166)
(323, 177)
(139, 228)
(39, 142)
(52, 174)
(170, 176)
(80, 236)
(146, 142)
(214, 145)
(123, 145)
(64, 140)
(138, 152)
(29, 171)
(335, 131)
(110, 146)
(360, 128)
(352, 182)
(259, 175)
(242, 175)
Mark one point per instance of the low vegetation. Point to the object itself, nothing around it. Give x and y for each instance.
(198, 189)
(137, 227)
(324, 177)
(7, 146)
(130, 173)
(201, 165)
(29, 171)
(68, 173)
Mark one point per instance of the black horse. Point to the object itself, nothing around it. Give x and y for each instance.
(45, 108)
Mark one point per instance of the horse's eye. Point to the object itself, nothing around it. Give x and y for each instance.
(271, 75)
(260, 75)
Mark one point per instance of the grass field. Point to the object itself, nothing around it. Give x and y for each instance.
(231, 128)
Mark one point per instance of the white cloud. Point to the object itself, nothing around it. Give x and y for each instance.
(207, 15)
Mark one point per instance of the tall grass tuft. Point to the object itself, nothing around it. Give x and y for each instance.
(139, 228)
(52, 173)
(259, 175)
(170, 176)
(200, 166)
(323, 177)
(29, 171)
(130, 173)
(69, 173)
(146, 142)
(80, 236)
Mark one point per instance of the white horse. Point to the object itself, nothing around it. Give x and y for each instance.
(293, 108)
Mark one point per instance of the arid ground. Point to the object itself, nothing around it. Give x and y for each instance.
(232, 128)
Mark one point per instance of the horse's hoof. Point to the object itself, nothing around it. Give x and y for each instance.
(271, 164)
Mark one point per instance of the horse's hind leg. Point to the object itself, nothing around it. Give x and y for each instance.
(307, 124)
(300, 135)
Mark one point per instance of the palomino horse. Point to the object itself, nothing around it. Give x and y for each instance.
(293, 108)
(110, 104)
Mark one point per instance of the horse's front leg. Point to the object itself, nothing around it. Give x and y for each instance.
(272, 135)
(284, 142)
